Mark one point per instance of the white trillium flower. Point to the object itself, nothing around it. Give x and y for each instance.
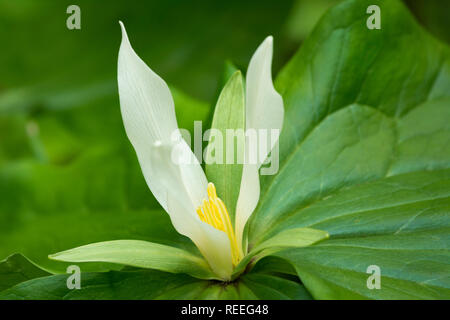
(182, 188)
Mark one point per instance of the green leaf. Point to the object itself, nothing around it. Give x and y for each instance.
(287, 238)
(364, 156)
(412, 266)
(16, 269)
(400, 224)
(151, 284)
(295, 237)
(225, 152)
(142, 254)
(274, 288)
(103, 285)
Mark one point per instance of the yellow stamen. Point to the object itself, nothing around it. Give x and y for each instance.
(214, 212)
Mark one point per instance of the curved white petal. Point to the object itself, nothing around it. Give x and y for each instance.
(147, 108)
(215, 247)
(247, 201)
(264, 111)
(264, 105)
(184, 179)
(185, 187)
(171, 170)
(212, 243)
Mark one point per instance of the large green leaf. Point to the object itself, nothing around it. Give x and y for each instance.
(16, 269)
(225, 152)
(363, 155)
(400, 224)
(150, 284)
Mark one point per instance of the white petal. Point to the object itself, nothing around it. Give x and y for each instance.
(215, 247)
(247, 201)
(264, 106)
(264, 111)
(185, 185)
(147, 108)
(186, 180)
(212, 243)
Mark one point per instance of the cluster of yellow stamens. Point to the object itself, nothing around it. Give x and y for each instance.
(214, 213)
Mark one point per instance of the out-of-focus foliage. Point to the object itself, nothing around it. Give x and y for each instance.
(184, 41)
(433, 14)
(303, 17)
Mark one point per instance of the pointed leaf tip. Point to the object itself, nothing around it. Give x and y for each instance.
(236, 74)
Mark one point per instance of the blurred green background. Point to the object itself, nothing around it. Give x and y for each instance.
(68, 175)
